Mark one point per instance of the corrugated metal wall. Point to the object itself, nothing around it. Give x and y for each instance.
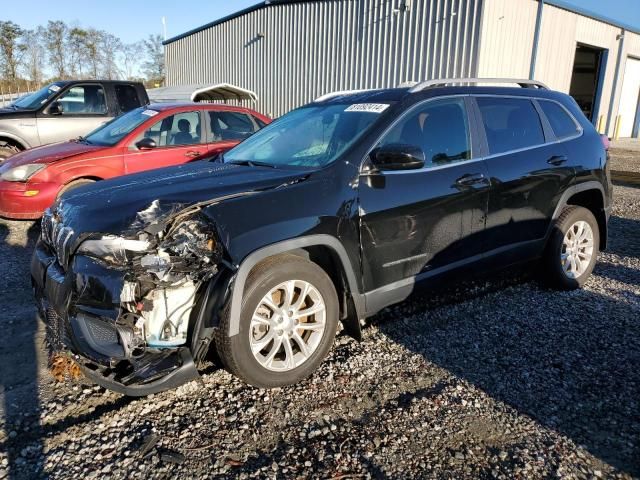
(291, 53)
(507, 40)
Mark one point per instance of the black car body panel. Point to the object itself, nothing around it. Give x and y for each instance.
(383, 232)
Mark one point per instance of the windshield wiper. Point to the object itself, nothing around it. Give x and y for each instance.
(81, 139)
(252, 163)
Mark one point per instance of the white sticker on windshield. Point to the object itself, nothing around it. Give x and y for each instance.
(54, 88)
(150, 113)
(368, 107)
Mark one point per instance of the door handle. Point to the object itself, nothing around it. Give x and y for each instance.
(192, 154)
(557, 160)
(470, 179)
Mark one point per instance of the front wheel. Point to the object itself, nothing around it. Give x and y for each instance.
(288, 322)
(572, 249)
(6, 151)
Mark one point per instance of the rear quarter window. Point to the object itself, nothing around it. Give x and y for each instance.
(562, 124)
(510, 123)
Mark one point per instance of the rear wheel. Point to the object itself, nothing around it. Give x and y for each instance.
(288, 321)
(572, 250)
(73, 185)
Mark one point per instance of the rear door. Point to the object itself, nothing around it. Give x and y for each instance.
(178, 140)
(418, 222)
(228, 128)
(84, 108)
(529, 169)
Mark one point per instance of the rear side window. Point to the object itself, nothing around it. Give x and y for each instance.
(127, 97)
(231, 126)
(561, 122)
(510, 123)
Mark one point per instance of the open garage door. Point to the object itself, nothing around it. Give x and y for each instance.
(586, 80)
(630, 99)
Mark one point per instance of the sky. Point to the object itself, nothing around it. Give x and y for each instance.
(133, 20)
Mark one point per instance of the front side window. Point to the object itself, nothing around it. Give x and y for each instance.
(175, 130)
(112, 132)
(83, 100)
(440, 128)
(311, 137)
(230, 126)
(562, 124)
(510, 123)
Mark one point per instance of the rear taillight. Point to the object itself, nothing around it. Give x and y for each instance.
(605, 141)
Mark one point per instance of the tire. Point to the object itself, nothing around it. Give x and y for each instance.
(555, 272)
(6, 151)
(73, 185)
(284, 369)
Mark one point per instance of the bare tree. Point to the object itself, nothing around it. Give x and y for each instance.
(76, 47)
(11, 50)
(34, 59)
(110, 47)
(153, 67)
(92, 42)
(130, 58)
(55, 35)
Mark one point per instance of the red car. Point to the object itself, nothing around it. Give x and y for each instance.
(154, 136)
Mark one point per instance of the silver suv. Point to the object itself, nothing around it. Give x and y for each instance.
(65, 110)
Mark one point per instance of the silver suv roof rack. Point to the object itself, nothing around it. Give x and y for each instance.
(461, 81)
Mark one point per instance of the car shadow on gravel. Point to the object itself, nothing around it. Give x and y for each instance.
(18, 349)
(569, 360)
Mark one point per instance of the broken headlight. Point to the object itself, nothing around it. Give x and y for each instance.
(112, 249)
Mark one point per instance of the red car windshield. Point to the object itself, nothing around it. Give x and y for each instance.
(112, 132)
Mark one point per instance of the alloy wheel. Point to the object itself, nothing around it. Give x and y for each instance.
(287, 326)
(577, 249)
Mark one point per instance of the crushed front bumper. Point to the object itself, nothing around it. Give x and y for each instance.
(80, 307)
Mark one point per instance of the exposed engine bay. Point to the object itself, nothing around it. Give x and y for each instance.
(165, 266)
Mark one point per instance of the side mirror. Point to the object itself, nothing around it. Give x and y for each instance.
(398, 156)
(56, 108)
(146, 144)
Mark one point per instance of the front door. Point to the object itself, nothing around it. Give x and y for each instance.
(82, 109)
(415, 223)
(179, 139)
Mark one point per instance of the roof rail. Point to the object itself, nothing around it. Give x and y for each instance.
(454, 81)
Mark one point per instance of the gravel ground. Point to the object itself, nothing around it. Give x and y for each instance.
(626, 155)
(495, 378)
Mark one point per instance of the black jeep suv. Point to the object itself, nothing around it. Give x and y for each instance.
(328, 215)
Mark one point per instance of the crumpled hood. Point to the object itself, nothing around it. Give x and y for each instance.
(50, 153)
(118, 206)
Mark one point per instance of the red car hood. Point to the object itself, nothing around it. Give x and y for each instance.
(50, 153)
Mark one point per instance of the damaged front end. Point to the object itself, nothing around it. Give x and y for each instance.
(131, 308)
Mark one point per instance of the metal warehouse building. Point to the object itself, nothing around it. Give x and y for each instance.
(290, 52)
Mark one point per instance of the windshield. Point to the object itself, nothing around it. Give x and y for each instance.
(112, 132)
(34, 100)
(308, 137)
